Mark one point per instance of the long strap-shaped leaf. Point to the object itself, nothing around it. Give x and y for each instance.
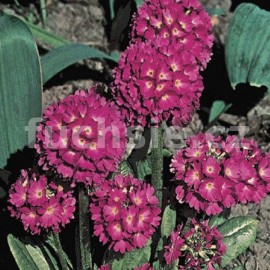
(247, 47)
(20, 85)
(21, 254)
(64, 56)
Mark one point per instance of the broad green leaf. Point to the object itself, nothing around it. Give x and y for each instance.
(156, 265)
(46, 37)
(217, 109)
(238, 234)
(64, 56)
(132, 259)
(166, 153)
(20, 85)
(218, 219)
(51, 258)
(144, 168)
(21, 254)
(125, 169)
(50, 242)
(168, 221)
(247, 46)
(38, 257)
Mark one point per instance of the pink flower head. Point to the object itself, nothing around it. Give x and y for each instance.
(213, 174)
(146, 92)
(128, 222)
(194, 245)
(203, 246)
(184, 22)
(40, 205)
(82, 137)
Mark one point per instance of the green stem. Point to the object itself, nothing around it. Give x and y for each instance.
(85, 260)
(157, 162)
(60, 250)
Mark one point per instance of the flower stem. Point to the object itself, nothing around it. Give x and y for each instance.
(60, 250)
(157, 162)
(84, 258)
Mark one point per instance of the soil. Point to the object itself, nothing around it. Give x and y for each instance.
(86, 21)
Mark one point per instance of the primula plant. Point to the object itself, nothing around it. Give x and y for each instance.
(168, 209)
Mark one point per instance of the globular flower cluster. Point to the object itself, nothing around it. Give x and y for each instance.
(82, 137)
(200, 246)
(183, 21)
(40, 205)
(158, 77)
(125, 213)
(152, 83)
(213, 174)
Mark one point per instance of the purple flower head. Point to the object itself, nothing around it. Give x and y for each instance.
(213, 174)
(40, 205)
(199, 246)
(82, 137)
(153, 84)
(184, 22)
(125, 213)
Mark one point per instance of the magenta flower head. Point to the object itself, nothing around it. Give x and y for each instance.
(82, 137)
(182, 21)
(125, 213)
(200, 246)
(40, 205)
(213, 174)
(155, 83)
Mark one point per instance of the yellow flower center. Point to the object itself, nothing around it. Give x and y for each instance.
(88, 130)
(177, 83)
(165, 97)
(160, 87)
(93, 146)
(50, 210)
(150, 72)
(209, 186)
(149, 84)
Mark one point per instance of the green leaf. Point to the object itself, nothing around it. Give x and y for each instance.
(217, 109)
(50, 241)
(144, 168)
(51, 258)
(247, 46)
(38, 257)
(64, 56)
(43, 11)
(46, 37)
(21, 255)
(125, 169)
(238, 234)
(218, 219)
(138, 3)
(215, 11)
(166, 153)
(20, 85)
(132, 259)
(168, 221)
(111, 2)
